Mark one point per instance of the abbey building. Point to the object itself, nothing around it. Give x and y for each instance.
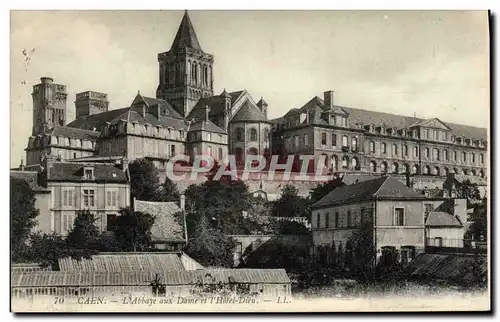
(187, 117)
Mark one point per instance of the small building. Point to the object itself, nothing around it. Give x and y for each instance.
(169, 230)
(400, 218)
(125, 262)
(260, 282)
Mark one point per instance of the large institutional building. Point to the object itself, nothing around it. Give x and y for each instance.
(187, 118)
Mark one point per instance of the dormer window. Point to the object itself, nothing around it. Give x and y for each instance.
(88, 173)
(382, 130)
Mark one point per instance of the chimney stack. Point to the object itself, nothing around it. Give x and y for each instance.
(328, 99)
(183, 202)
(207, 112)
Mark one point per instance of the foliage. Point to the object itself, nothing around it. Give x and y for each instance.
(168, 191)
(290, 203)
(324, 188)
(144, 182)
(23, 216)
(479, 221)
(276, 253)
(364, 250)
(85, 234)
(209, 246)
(287, 227)
(133, 230)
(468, 190)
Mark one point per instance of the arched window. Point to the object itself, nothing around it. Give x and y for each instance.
(446, 171)
(481, 173)
(445, 154)
(266, 135)
(384, 148)
(473, 172)
(383, 167)
(345, 141)
(355, 164)
(437, 171)
(427, 169)
(406, 168)
(345, 162)
(373, 166)
(472, 158)
(414, 169)
(464, 157)
(253, 134)
(394, 149)
(395, 168)
(239, 134)
(354, 143)
(465, 171)
(372, 146)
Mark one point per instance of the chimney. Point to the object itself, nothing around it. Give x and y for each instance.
(21, 166)
(460, 210)
(207, 112)
(328, 99)
(183, 202)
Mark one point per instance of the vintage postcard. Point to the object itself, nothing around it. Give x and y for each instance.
(249, 161)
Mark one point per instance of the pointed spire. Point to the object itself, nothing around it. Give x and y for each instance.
(186, 36)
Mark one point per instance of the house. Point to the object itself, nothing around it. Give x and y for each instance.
(400, 218)
(64, 188)
(169, 230)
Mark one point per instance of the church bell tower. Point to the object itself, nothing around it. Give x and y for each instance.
(186, 73)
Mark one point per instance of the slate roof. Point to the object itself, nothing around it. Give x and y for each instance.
(122, 262)
(249, 112)
(166, 228)
(214, 103)
(143, 278)
(352, 178)
(73, 172)
(186, 35)
(72, 132)
(367, 117)
(97, 121)
(383, 187)
(206, 126)
(151, 102)
(441, 219)
(31, 177)
(165, 121)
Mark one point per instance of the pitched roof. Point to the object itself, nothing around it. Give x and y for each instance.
(352, 178)
(186, 35)
(167, 227)
(72, 171)
(206, 126)
(249, 112)
(441, 218)
(122, 262)
(97, 121)
(214, 103)
(383, 187)
(72, 132)
(31, 177)
(151, 102)
(366, 117)
(144, 278)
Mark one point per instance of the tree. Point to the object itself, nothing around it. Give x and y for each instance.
(209, 246)
(469, 190)
(479, 221)
(290, 203)
(22, 216)
(361, 242)
(322, 189)
(168, 191)
(84, 234)
(287, 227)
(133, 230)
(144, 181)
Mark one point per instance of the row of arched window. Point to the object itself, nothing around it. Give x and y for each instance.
(427, 170)
(252, 134)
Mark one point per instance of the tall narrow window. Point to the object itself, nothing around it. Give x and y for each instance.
(464, 157)
(221, 155)
(337, 220)
(481, 158)
(405, 150)
(296, 141)
(88, 197)
(327, 220)
(399, 216)
(306, 139)
(345, 141)
(323, 138)
(349, 219)
(394, 149)
(384, 148)
(318, 221)
(427, 153)
(334, 139)
(472, 158)
(372, 147)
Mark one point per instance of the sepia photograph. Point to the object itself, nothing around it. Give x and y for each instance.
(250, 161)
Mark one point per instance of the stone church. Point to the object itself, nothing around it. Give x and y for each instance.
(184, 118)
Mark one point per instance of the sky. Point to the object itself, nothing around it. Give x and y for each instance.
(427, 63)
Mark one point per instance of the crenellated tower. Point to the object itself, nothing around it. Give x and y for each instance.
(49, 105)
